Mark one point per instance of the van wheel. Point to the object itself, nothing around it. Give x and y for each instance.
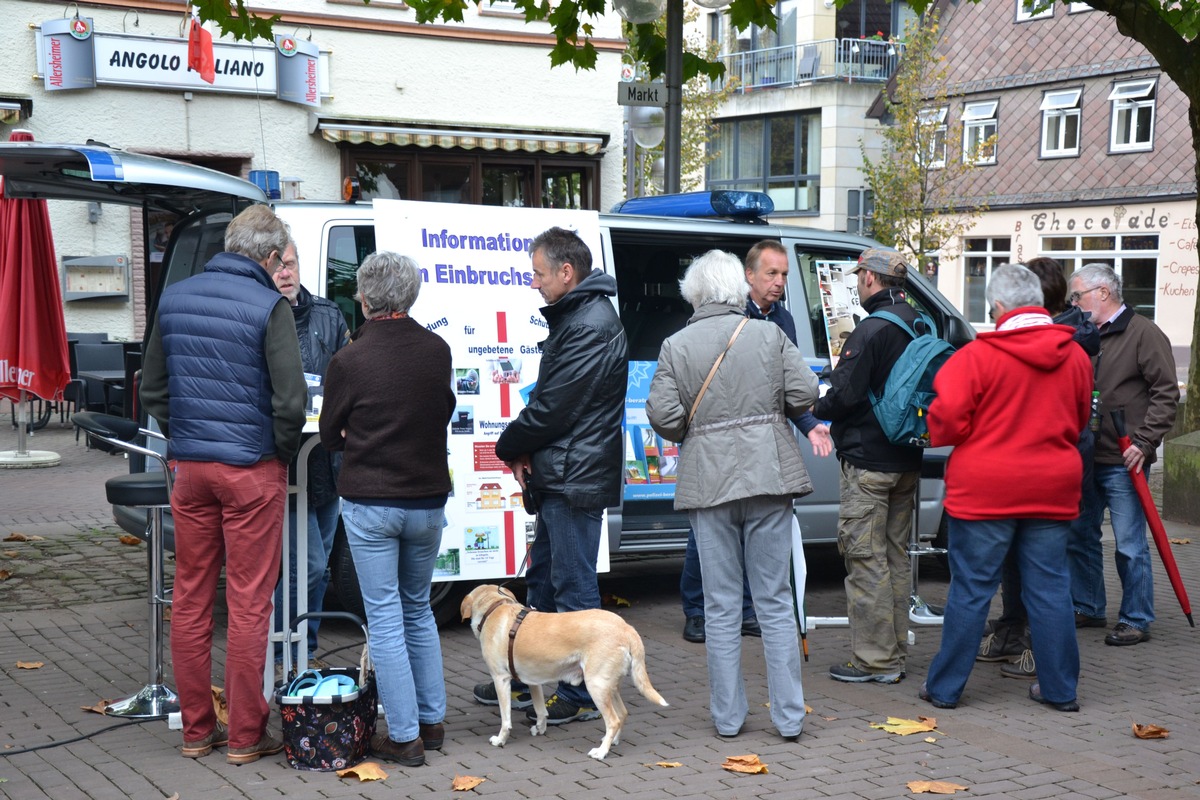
(444, 596)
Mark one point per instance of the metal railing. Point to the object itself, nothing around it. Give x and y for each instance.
(869, 60)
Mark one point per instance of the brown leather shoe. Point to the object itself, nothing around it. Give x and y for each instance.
(408, 754)
(433, 735)
(267, 746)
(202, 747)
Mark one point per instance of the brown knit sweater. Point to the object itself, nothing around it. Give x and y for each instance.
(390, 390)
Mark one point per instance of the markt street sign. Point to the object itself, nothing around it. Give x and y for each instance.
(642, 94)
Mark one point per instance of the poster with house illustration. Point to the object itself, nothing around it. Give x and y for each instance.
(481, 545)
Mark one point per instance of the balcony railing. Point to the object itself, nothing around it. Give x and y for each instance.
(850, 60)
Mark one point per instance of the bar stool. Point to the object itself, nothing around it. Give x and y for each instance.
(933, 465)
(150, 490)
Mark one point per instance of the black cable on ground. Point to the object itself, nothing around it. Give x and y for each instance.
(79, 738)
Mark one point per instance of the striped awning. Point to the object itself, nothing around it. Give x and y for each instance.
(467, 138)
(11, 111)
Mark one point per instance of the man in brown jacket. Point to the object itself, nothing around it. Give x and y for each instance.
(1135, 370)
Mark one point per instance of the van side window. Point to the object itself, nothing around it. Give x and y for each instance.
(348, 246)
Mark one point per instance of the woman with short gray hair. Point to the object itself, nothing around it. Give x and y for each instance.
(739, 470)
(387, 403)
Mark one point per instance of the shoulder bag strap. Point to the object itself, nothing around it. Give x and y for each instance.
(712, 372)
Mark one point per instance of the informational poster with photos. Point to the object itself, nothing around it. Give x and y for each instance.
(651, 463)
(476, 294)
(839, 300)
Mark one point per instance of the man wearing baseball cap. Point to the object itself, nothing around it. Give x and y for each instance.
(878, 478)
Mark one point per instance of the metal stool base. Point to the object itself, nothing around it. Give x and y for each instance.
(154, 701)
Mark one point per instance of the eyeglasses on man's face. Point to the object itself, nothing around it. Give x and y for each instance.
(1074, 297)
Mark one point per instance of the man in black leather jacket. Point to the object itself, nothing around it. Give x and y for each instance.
(566, 444)
(878, 479)
(322, 330)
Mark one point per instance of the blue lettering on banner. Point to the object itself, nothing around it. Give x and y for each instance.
(468, 275)
(501, 242)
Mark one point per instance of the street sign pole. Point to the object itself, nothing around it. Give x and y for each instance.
(672, 146)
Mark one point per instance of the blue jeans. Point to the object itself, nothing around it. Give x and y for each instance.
(394, 553)
(322, 525)
(691, 585)
(1112, 488)
(562, 568)
(977, 550)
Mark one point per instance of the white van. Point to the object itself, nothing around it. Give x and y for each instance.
(646, 253)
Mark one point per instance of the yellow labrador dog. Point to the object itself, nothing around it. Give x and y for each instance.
(594, 646)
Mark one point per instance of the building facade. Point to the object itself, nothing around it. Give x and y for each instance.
(1093, 162)
(468, 112)
(798, 111)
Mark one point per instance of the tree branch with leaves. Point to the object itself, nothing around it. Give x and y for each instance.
(914, 180)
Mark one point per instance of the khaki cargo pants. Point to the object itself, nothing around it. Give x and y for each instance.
(874, 523)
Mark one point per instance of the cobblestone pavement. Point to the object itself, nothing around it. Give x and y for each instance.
(998, 743)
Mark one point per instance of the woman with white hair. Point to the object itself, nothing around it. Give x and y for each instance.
(724, 388)
(387, 403)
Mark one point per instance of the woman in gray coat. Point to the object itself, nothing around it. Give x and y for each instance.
(739, 470)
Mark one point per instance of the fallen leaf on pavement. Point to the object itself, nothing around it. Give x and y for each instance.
(220, 704)
(904, 727)
(1179, 541)
(20, 537)
(465, 783)
(126, 538)
(931, 739)
(1150, 731)
(100, 707)
(828, 719)
(30, 664)
(748, 764)
(666, 764)
(366, 771)
(612, 600)
(807, 708)
(5, 574)
(11, 553)
(934, 787)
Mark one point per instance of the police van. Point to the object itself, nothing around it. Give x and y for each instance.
(645, 243)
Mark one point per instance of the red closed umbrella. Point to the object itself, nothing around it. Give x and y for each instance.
(33, 336)
(1157, 531)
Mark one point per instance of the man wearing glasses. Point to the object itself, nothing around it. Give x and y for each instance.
(1135, 370)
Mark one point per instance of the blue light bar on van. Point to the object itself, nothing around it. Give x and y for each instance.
(733, 205)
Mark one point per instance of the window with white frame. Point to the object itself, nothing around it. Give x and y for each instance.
(1078, 8)
(933, 131)
(1132, 115)
(1134, 257)
(980, 256)
(1034, 9)
(1060, 123)
(979, 125)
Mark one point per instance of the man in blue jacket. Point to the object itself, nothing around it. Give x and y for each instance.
(222, 376)
(565, 447)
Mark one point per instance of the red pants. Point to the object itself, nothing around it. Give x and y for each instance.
(231, 516)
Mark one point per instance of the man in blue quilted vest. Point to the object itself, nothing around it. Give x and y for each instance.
(223, 377)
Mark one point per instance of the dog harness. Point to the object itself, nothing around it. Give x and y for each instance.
(512, 632)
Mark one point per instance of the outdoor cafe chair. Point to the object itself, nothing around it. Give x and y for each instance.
(151, 490)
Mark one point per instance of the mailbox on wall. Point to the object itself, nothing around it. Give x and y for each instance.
(96, 278)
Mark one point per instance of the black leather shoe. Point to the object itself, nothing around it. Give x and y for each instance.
(1035, 694)
(693, 629)
(1084, 621)
(750, 628)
